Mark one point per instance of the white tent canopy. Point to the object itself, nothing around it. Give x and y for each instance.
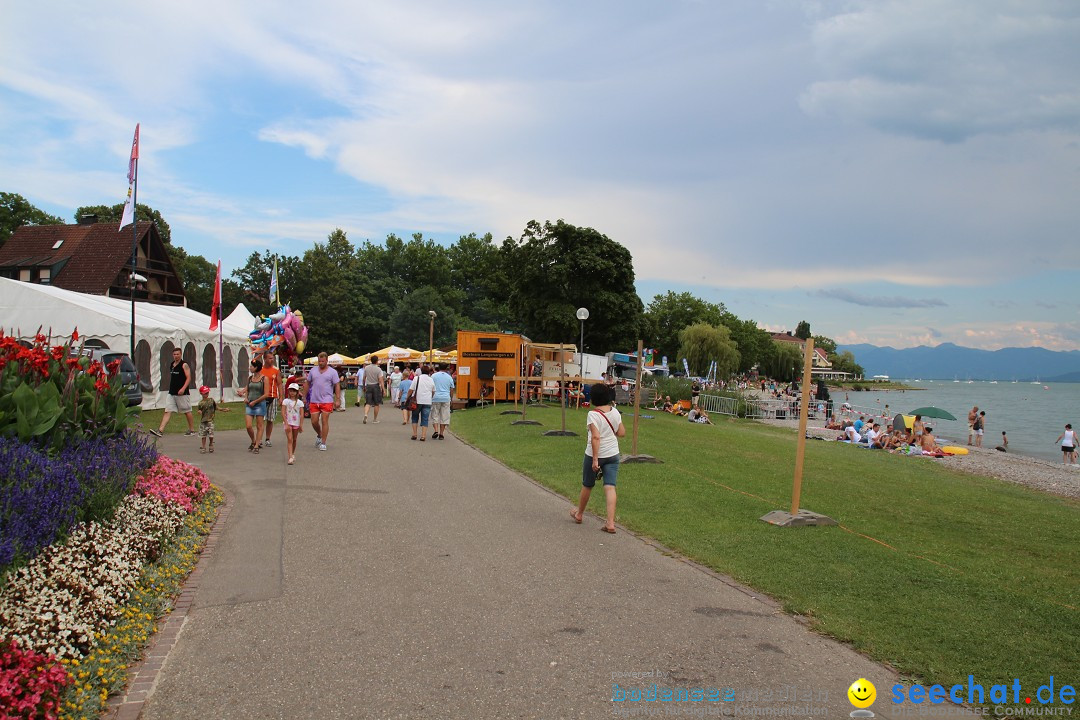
(106, 322)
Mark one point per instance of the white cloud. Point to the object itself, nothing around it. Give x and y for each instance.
(949, 71)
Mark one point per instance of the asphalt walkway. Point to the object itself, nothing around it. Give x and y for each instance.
(389, 578)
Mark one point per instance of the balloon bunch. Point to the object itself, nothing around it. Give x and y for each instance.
(283, 333)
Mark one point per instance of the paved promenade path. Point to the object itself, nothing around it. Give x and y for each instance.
(386, 578)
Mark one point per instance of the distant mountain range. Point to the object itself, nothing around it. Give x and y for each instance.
(949, 362)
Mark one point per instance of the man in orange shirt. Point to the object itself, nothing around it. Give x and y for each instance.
(273, 387)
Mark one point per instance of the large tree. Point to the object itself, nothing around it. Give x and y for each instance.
(113, 213)
(700, 344)
(16, 211)
(334, 302)
(411, 324)
(751, 340)
(198, 274)
(556, 268)
(802, 330)
(478, 270)
(670, 313)
(782, 361)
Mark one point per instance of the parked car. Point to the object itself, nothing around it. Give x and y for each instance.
(129, 376)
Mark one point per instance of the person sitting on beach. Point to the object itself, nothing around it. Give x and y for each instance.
(871, 435)
(852, 435)
(859, 424)
(668, 406)
(890, 439)
(929, 444)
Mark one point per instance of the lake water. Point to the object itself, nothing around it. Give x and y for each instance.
(1033, 415)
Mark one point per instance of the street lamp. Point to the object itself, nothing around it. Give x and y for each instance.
(431, 337)
(582, 315)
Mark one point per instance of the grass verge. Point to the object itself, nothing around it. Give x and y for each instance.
(938, 573)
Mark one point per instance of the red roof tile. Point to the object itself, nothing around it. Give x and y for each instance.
(95, 254)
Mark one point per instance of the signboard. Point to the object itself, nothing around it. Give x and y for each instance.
(464, 370)
(486, 354)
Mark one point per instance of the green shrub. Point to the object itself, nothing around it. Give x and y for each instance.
(51, 394)
(677, 388)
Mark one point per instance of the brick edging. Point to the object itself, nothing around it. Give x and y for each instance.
(143, 674)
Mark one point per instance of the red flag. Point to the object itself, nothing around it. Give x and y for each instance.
(75, 334)
(215, 311)
(134, 155)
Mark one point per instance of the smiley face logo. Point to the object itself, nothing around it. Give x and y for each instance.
(862, 693)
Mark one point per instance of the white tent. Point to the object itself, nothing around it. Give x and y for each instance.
(106, 322)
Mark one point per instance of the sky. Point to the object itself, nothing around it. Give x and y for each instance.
(896, 173)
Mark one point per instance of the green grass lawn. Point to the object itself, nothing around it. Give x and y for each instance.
(230, 416)
(940, 574)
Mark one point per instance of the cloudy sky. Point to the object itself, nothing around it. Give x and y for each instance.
(899, 173)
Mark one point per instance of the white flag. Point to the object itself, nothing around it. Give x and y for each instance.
(133, 164)
(129, 211)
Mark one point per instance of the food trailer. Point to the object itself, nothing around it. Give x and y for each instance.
(483, 356)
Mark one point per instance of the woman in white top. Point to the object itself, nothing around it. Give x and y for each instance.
(1068, 444)
(423, 388)
(605, 427)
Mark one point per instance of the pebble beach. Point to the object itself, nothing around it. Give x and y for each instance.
(1057, 479)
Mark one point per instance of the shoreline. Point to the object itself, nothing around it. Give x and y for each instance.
(1036, 473)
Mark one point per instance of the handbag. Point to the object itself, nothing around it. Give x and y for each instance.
(410, 402)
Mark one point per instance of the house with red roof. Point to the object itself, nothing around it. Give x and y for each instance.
(94, 258)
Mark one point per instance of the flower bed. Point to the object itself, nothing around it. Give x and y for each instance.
(45, 492)
(75, 615)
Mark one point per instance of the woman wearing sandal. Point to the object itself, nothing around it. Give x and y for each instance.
(255, 395)
(605, 427)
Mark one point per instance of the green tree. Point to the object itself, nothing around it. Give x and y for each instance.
(334, 303)
(253, 281)
(479, 272)
(802, 330)
(782, 361)
(16, 211)
(669, 314)
(197, 274)
(825, 343)
(410, 322)
(557, 268)
(701, 343)
(113, 213)
(845, 362)
(751, 340)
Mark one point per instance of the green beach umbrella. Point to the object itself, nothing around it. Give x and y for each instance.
(933, 412)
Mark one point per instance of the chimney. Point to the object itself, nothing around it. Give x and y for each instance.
(88, 219)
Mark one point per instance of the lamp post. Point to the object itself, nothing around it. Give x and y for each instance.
(582, 315)
(431, 337)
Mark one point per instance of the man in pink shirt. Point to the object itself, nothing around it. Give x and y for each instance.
(325, 386)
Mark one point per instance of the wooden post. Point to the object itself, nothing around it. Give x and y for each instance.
(562, 383)
(800, 447)
(637, 394)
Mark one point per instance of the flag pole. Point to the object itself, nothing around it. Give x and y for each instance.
(133, 190)
(134, 255)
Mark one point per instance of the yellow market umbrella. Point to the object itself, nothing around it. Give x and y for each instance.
(390, 352)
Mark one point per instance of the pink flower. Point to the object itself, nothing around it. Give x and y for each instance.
(174, 481)
(30, 683)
